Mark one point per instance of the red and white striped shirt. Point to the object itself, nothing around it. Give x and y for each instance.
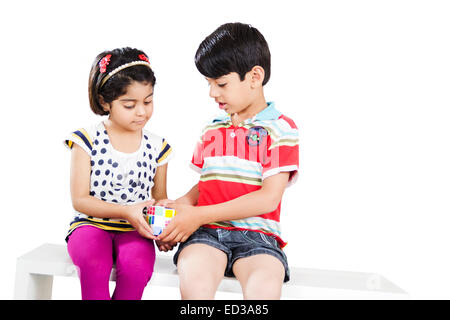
(233, 161)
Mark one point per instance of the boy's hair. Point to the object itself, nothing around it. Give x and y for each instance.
(233, 47)
(101, 83)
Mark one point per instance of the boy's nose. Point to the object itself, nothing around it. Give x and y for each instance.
(213, 92)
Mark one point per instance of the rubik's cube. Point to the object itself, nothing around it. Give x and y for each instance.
(158, 217)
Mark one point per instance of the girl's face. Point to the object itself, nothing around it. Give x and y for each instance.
(132, 110)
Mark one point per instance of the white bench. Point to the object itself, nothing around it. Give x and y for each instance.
(35, 271)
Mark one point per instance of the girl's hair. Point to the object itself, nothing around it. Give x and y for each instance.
(101, 83)
(233, 47)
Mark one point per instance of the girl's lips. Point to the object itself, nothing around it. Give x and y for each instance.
(222, 105)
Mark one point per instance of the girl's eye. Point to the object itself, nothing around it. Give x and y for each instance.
(148, 102)
(129, 107)
(222, 85)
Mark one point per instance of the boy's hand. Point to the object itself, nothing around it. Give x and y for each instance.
(164, 202)
(133, 214)
(182, 225)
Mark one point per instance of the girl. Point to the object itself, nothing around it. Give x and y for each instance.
(117, 169)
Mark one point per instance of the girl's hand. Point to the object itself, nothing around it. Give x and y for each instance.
(186, 221)
(165, 246)
(133, 214)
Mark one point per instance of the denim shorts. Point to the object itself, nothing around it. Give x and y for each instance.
(236, 244)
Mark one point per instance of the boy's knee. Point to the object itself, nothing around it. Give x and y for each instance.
(267, 290)
(262, 284)
(198, 283)
(197, 288)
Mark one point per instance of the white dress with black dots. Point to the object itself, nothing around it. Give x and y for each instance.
(118, 177)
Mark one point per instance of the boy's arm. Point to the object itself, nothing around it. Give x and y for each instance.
(252, 204)
(190, 198)
(83, 202)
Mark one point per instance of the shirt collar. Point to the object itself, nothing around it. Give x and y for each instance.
(268, 113)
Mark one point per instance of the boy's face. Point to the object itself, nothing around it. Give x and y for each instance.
(232, 94)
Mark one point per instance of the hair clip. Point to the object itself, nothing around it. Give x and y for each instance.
(143, 57)
(104, 62)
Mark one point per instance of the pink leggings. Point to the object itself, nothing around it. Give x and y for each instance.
(94, 251)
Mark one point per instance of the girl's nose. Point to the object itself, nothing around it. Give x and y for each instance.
(140, 110)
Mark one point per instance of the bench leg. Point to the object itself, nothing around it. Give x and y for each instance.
(29, 286)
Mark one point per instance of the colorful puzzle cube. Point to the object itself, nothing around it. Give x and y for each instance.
(158, 217)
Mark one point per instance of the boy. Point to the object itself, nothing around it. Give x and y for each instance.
(229, 223)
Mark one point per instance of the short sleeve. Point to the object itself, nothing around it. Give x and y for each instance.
(282, 151)
(165, 154)
(80, 137)
(197, 158)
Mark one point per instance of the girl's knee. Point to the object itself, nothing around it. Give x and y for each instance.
(93, 263)
(139, 268)
(135, 273)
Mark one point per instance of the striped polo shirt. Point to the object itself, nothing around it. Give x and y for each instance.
(235, 160)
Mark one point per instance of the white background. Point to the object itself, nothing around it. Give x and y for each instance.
(367, 83)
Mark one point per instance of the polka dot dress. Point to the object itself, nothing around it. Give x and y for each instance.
(118, 177)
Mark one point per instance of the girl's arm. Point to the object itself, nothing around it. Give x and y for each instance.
(159, 190)
(189, 218)
(82, 201)
(159, 193)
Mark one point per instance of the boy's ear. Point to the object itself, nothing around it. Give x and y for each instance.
(106, 106)
(257, 74)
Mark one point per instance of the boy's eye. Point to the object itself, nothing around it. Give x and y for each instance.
(221, 85)
(129, 107)
(148, 102)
